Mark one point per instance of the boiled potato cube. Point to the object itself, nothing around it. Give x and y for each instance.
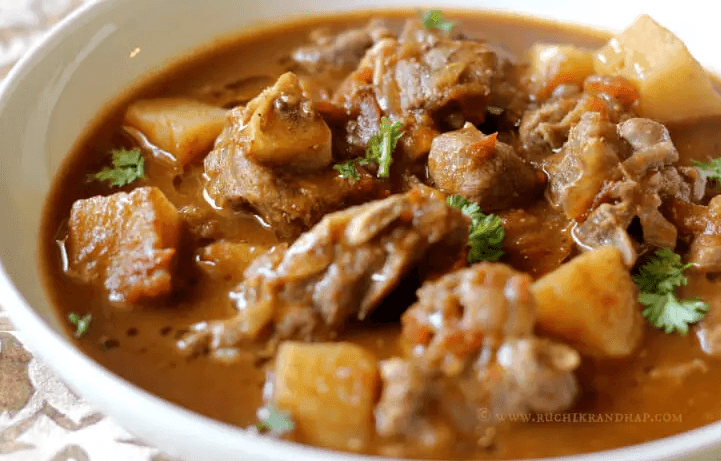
(126, 240)
(553, 65)
(185, 128)
(330, 390)
(591, 303)
(672, 84)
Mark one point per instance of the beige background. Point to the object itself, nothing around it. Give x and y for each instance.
(40, 418)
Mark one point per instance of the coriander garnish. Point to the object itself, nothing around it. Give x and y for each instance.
(712, 168)
(380, 151)
(82, 324)
(347, 169)
(128, 165)
(658, 280)
(434, 20)
(486, 234)
(272, 420)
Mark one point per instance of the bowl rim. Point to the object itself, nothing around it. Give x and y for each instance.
(52, 347)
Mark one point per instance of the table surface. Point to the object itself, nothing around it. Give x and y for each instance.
(40, 418)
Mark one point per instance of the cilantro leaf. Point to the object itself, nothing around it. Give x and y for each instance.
(346, 169)
(667, 312)
(658, 280)
(434, 20)
(380, 151)
(273, 420)
(663, 273)
(487, 239)
(486, 234)
(82, 324)
(128, 165)
(382, 144)
(712, 168)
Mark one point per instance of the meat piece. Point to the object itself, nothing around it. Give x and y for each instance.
(689, 218)
(587, 160)
(473, 349)
(404, 388)
(590, 302)
(227, 260)
(606, 225)
(183, 127)
(454, 314)
(522, 375)
(127, 241)
(202, 221)
(652, 179)
(281, 128)
(480, 168)
(341, 52)
(536, 376)
(708, 289)
(692, 182)
(329, 390)
(274, 156)
(709, 331)
(537, 238)
(605, 177)
(341, 269)
(657, 231)
(702, 226)
(705, 251)
(651, 143)
(426, 79)
(545, 129)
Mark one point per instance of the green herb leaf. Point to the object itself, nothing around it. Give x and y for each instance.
(82, 324)
(382, 144)
(663, 273)
(346, 169)
(380, 151)
(658, 280)
(275, 421)
(712, 168)
(434, 20)
(486, 234)
(128, 165)
(667, 312)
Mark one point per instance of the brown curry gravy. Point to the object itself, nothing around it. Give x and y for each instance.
(139, 344)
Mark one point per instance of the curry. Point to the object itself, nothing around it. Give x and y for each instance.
(459, 236)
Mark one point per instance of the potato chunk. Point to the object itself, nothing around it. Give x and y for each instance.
(553, 65)
(126, 240)
(591, 303)
(183, 127)
(330, 390)
(672, 84)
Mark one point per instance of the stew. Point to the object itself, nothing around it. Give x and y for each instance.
(460, 235)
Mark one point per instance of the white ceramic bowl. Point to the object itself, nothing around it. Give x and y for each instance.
(53, 93)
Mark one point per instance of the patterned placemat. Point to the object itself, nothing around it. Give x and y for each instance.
(40, 418)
